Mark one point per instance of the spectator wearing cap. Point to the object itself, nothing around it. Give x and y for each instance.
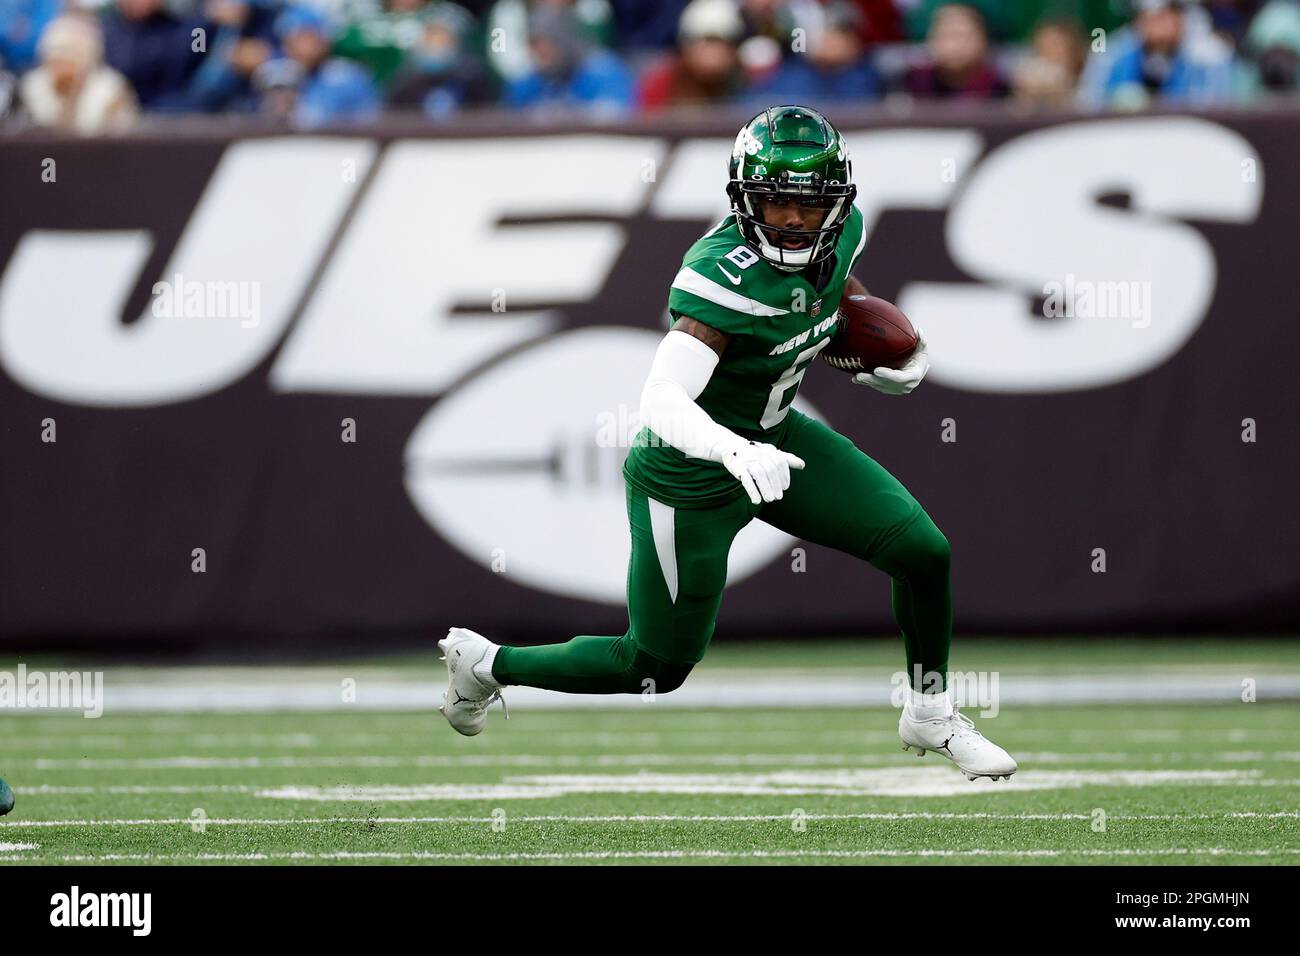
(706, 67)
(568, 71)
(958, 66)
(1165, 57)
(306, 84)
(441, 75)
(72, 89)
(154, 50)
(382, 39)
(1050, 74)
(835, 70)
(21, 25)
(241, 37)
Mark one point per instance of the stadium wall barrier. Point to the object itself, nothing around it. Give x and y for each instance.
(358, 386)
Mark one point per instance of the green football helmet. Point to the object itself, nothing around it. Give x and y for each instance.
(791, 151)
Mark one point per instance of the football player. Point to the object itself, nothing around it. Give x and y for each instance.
(753, 305)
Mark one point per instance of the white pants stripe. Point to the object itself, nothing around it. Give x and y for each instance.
(663, 527)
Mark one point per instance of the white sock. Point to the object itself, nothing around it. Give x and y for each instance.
(483, 669)
(928, 706)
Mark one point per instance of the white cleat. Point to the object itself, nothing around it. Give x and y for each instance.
(957, 739)
(466, 699)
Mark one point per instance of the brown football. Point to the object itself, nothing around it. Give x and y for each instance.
(871, 333)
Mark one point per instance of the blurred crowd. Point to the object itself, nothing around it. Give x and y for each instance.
(98, 65)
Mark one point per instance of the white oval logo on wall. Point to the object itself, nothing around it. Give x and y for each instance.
(521, 467)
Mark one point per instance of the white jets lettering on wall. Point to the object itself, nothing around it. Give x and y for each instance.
(403, 304)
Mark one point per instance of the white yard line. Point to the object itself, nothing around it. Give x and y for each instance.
(640, 818)
(79, 741)
(243, 762)
(258, 691)
(1251, 779)
(46, 789)
(153, 741)
(734, 738)
(905, 780)
(416, 855)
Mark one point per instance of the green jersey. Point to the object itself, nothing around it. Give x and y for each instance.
(777, 323)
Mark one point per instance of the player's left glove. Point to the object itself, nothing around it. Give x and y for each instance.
(763, 470)
(899, 381)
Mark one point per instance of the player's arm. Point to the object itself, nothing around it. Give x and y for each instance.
(682, 367)
(887, 380)
(713, 338)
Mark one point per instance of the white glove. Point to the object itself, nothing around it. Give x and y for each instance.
(899, 381)
(764, 470)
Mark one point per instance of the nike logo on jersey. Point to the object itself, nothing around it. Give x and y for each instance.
(735, 280)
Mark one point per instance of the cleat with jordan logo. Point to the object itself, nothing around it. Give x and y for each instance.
(468, 694)
(955, 737)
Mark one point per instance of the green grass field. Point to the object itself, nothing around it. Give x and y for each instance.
(1199, 783)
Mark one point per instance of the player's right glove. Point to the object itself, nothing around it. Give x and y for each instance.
(764, 470)
(901, 381)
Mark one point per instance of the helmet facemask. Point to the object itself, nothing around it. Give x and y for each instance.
(769, 240)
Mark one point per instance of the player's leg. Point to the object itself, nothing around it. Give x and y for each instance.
(845, 500)
(676, 574)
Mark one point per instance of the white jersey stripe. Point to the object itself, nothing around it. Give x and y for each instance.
(718, 226)
(688, 280)
(862, 241)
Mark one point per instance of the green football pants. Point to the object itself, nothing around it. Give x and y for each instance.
(842, 499)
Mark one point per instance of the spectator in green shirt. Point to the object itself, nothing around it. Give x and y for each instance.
(382, 37)
(1014, 20)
